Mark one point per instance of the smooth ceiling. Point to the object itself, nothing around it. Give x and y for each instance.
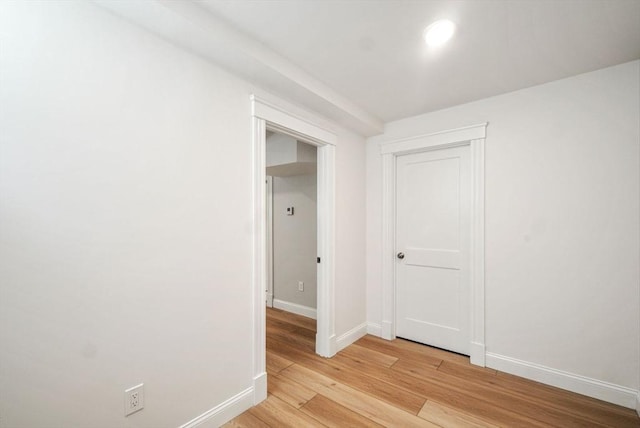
(372, 51)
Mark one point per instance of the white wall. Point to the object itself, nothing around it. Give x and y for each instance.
(350, 230)
(283, 149)
(562, 222)
(295, 239)
(125, 223)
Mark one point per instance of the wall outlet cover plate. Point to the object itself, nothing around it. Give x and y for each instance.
(133, 399)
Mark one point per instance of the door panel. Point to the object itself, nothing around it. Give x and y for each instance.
(446, 259)
(432, 230)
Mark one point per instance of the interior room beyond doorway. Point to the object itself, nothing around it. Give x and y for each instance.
(291, 170)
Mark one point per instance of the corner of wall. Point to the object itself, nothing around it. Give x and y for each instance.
(259, 388)
(329, 349)
(374, 329)
(351, 336)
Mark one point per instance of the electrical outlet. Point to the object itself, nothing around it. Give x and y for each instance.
(134, 399)
(300, 286)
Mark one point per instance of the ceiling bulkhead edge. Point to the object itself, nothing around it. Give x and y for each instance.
(190, 26)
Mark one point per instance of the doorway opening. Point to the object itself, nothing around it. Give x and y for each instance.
(277, 119)
(291, 217)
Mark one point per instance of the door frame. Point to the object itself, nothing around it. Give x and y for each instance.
(268, 116)
(269, 241)
(474, 137)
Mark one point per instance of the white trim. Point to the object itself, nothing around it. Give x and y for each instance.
(326, 330)
(267, 115)
(478, 354)
(259, 249)
(477, 273)
(374, 329)
(438, 139)
(388, 246)
(638, 403)
(223, 412)
(269, 240)
(295, 308)
(609, 392)
(388, 328)
(474, 137)
(351, 336)
(286, 122)
(269, 299)
(259, 388)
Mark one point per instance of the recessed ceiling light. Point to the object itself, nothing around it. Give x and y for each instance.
(439, 32)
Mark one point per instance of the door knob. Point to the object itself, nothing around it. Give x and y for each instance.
(400, 256)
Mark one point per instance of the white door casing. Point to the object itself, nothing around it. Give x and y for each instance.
(269, 241)
(266, 115)
(432, 245)
(474, 137)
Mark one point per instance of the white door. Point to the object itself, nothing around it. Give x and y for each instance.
(432, 248)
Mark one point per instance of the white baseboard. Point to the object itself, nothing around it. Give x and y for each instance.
(224, 412)
(605, 391)
(259, 388)
(374, 329)
(305, 311)
(328, 350)
(269, 300)
(333, 345)
(351, 336)
(387, 330)
(638, 403)
(478, 354)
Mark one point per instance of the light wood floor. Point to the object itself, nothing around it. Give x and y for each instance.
(375, 383)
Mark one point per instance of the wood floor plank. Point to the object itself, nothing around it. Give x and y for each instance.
(439, 390)
(276, 413)
(332, 368)
(522, 406)
(390, 348)
(402, 383)
(448, 417)
(289, 391)
(300, 342)
(531, 386)
(275, 363)
(361, 353)
(437, 353)
(246, 420)
(334, 415)
(283, 325)
(545, 396)
(370, 407)
(455, 364)
(291, 318)
(292, 329)
(401, 345)
(417, 368)
(467, 371)
(306, 333)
